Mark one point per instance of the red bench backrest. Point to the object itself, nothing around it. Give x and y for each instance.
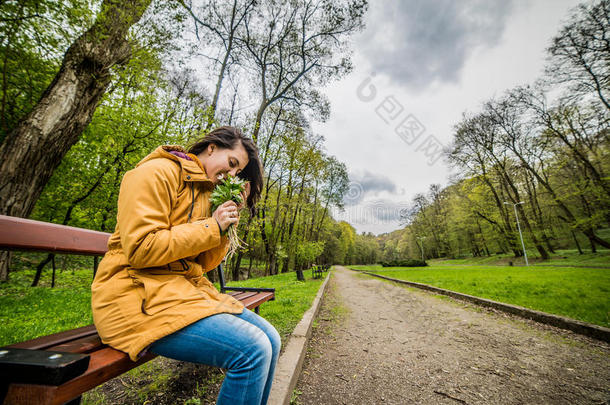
(26, 234)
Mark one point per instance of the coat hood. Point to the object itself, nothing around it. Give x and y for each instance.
(191, 170)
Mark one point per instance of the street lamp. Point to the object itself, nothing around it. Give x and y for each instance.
(519, 227)
(422, 247)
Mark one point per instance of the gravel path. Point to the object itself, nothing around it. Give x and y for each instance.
(376, 342)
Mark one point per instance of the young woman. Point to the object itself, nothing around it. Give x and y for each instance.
(149, 293)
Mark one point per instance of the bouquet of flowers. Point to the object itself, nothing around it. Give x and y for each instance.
(230, 189)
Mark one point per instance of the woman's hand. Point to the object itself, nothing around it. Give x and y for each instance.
(226, 214)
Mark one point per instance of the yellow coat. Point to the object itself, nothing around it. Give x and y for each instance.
(150, 283)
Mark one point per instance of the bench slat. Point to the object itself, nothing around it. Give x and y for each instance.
(27, 234)
(258, 299)
(86, 344)
(44, 342)
(86, 340)
(243, 295)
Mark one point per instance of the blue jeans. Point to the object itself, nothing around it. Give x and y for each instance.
(245, 344)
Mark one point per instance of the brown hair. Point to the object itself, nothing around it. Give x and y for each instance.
(226, 138)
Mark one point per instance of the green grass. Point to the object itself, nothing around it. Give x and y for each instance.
(565, 257)
(579, 293)
(572, 258)
(292, 298)
(29, 312)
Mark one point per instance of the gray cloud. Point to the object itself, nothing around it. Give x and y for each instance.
(365, 183)
(418, 42)
(373, 213)
(384, 211)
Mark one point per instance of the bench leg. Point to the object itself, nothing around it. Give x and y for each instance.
(256, 310)
(75, 401)
(3, 391)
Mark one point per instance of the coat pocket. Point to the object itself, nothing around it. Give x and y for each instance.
(164, 291)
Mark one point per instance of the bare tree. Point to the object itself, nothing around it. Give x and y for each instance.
(524, 143)
(580, 53)
(222, 22)
(473, 140)
(300, 41)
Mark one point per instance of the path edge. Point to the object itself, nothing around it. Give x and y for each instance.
(582, 328)
(290, 363)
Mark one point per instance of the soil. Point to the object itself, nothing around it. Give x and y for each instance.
(161, 381)
(377, 342)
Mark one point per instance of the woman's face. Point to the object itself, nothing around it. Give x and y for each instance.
(218, 161)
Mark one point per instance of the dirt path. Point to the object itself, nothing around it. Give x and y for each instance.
(376, 342)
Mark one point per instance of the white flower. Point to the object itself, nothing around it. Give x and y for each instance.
(220, 176)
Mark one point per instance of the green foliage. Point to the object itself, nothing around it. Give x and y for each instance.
(543, 146)
(308, 252)
(143, 110)
(155, 98)
(229, 189)
(36, 34)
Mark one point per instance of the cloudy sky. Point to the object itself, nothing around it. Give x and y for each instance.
(418, 65)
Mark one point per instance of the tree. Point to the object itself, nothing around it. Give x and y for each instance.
(299, 41)
(222, 23)
(580, 54)
(35, 34)
(472, 146)
(66, 107)
(334, 188)
(34, 148)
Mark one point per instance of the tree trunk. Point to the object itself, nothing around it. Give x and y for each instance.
(96, 263)
(580, 252)
(36, 146)
(240, 253)
(506, 228)
(39, 268)
(509, 185)
(592, 243)
(537, 211)
(5, 260)
(258, 120)
(571, 219)
(221, 75)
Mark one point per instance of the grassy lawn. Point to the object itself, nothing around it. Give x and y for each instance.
(579, 293)
(26, 312)
(292, 298)
(560, 258)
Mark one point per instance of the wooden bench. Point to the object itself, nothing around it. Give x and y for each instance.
(316, 271)
(59, 368)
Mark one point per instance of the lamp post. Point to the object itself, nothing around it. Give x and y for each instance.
(519, 227)
(422, 247)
